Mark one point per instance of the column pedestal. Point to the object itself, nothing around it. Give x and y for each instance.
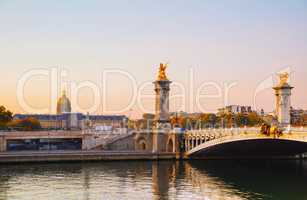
(283, 104)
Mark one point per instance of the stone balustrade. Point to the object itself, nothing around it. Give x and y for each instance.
(194, 138)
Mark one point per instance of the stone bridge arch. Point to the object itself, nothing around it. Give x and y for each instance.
(249, 148)
(143, 141)
(141, 144)
(246, 143)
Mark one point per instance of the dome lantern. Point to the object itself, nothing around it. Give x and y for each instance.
(63, 104)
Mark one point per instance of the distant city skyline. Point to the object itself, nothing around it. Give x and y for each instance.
(234, 42)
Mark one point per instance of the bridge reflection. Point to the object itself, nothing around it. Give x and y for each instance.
(228, 180)
(265, 179)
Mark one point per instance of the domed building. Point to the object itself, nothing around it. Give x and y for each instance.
(66, 120)
(63, 104)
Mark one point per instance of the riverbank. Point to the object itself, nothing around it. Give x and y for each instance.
(64, 156)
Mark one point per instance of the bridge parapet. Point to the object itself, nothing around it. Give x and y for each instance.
(298, 129)
(196, 140)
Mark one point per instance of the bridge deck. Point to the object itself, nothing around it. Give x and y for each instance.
(203, 140)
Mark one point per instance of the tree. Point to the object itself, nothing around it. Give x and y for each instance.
(304, 119)
(178, 121)
(241, 119)
(227, 119)
(27, 124)
(207, 120)
(254, 119)
(5, 117)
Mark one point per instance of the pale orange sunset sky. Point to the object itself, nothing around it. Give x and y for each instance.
(221, 42)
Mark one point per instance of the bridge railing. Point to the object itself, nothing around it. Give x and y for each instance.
(195, 138)
(298, 129)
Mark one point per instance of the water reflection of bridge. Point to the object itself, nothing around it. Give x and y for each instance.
(196, 179)
(244, 142)
(210, 187)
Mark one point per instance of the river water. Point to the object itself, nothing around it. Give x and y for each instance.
(212, 180)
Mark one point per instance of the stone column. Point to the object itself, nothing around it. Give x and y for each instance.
(3, 144)
(187, 145)
(193, 143)
(283, 103)
(175, 144)
(155, 141)
(162, 88)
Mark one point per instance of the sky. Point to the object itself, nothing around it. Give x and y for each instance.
(227, 51)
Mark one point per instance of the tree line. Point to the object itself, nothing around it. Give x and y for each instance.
(202, 121)
(8, 123)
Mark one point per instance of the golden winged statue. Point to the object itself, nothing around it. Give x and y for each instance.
(283, 78)
(162, 72)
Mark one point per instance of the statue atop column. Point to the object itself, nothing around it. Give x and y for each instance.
(162, 115)
(162, 72)
(162, 87)
(283, 78)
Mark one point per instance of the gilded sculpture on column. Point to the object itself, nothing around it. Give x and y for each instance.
(162, 72)
(283, 78)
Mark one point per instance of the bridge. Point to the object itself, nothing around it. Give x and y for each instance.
(243, 142)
